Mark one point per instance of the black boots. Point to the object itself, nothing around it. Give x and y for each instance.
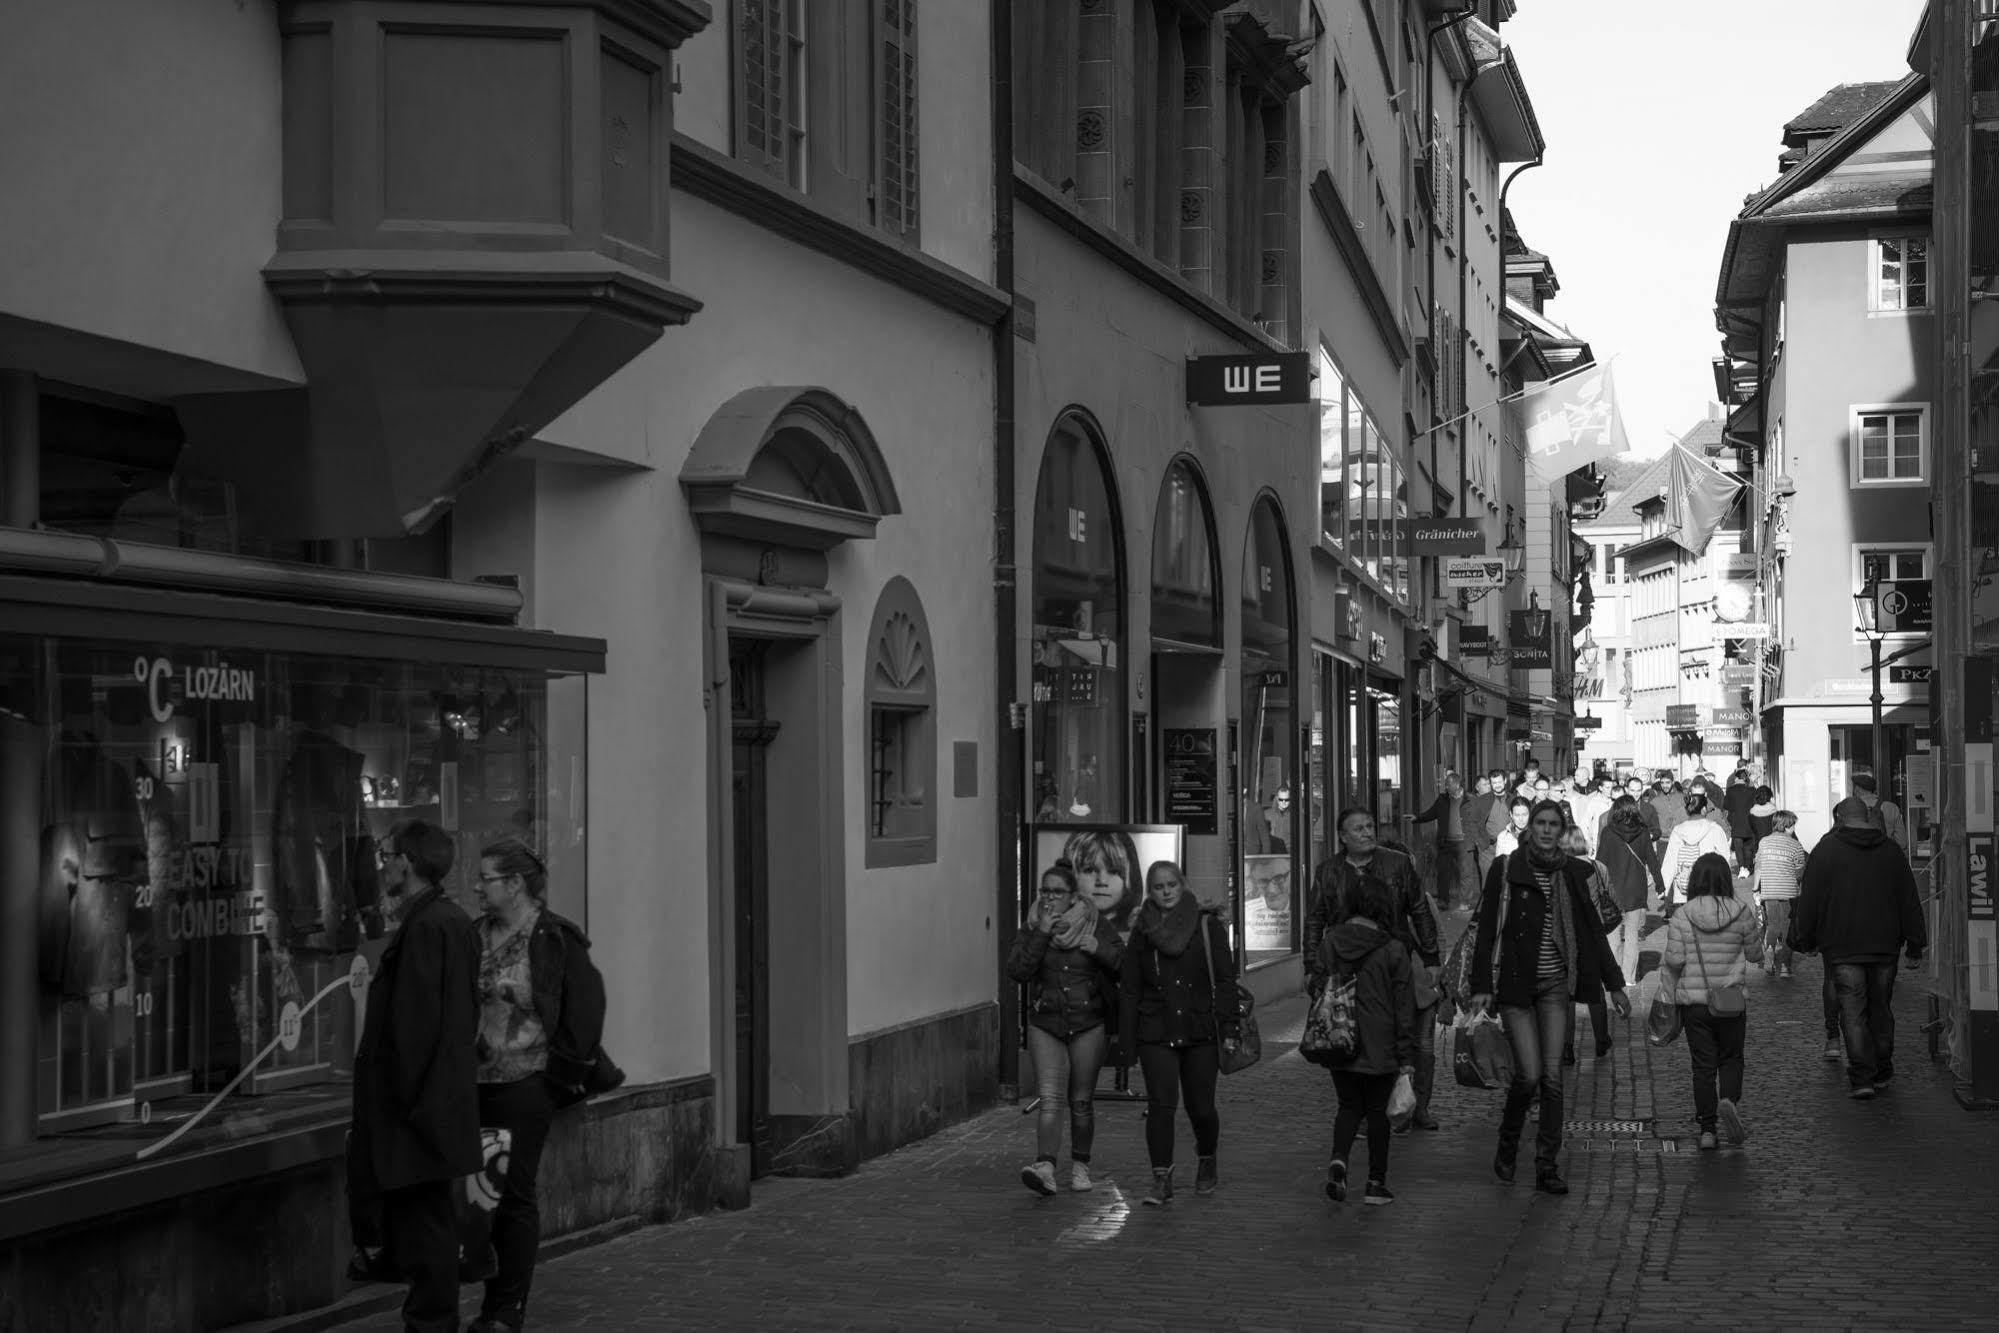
(1206, 1175)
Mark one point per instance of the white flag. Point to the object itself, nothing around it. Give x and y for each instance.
(1571, 422)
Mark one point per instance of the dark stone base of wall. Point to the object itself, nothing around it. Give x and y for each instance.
(906, 1083)
(267, 1248)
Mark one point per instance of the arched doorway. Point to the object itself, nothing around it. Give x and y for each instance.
(1270, 789)
(1078, 739)
(1188, 692)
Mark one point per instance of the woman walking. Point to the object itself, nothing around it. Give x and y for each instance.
(1538, 946)
(1179, 1006)
(541, 1017)
(1709, 947)
(1067, 954)
(1590, 997)
(1780, 869)
(1632, 862)
(1362, 949)
(1688, 842)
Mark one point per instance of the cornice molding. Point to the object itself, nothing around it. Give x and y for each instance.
(720, 180)
(456, 278)
(1346, 239)
(1044, 199)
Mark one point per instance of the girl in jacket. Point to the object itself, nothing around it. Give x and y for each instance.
(541, 1018)
(1632, 862)
(1515, 832)
(1780, 870)
(1067, 955)
(1179, 1007)
(1576, 844)
(1710, 946)
(1363, 949)
(1698, 836)
(1537, 948)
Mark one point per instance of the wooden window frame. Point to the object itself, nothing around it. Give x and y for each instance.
(1856, 420)
(1879, 289)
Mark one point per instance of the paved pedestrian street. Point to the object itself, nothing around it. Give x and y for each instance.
(1835, 1215)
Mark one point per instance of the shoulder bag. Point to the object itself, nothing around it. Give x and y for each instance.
(1248, 1048)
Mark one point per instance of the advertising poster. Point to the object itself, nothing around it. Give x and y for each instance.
(1110, 862)
(1266, 904)
(1192, 783)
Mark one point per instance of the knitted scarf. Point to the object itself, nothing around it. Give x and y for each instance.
(1172, 931)
(1077, 927)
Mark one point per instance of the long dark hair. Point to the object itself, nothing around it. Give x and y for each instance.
(1710, 878)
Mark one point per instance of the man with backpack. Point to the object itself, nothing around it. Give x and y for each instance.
(1881, 814)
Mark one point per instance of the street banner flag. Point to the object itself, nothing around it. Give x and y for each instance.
(1572, 422)
(1697, 499)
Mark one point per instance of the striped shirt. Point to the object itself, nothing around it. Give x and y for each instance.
(1549, 965)
(1780, 865)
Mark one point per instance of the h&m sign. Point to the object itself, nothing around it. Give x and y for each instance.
(1256, 378)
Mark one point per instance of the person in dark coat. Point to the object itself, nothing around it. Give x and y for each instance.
(1859, 908)
(1536, 950)
(1179, 1010)
(1067, 954)
(1735, 804)
(1451, 813)
(1631, 862)
(1360, 948)
(416, 1089)
(541, 1021)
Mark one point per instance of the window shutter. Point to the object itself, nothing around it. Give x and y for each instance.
(840, 139)
(895, 154)
(761, 94)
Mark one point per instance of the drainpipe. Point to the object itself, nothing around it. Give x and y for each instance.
(1010, 732)
(20, 789)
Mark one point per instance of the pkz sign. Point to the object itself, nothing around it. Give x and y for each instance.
(1256, 378)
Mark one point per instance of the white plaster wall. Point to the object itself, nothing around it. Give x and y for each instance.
(141, 153)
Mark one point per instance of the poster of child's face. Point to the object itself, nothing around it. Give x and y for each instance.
(1109, 860)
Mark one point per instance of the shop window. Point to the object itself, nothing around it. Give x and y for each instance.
(209, 884)
(1270, 822)
(902, 734)
(1184, 606)
(1078, 635)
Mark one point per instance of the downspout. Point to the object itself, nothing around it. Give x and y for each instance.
(1010, 730)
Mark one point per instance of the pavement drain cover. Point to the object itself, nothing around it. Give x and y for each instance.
(1589, 1127)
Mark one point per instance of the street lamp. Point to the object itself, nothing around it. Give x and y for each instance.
(1537, 619)
(1867, 610)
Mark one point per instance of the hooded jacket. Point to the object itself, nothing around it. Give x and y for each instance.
(1688, 843)
(1710, 945)
(1333, 897)
(1858, 902)
(1384, 1004)
(1629, 859)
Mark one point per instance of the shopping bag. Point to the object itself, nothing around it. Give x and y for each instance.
(1455, 979)
(1662, 1024)
(1329, 1024)
(475, 1202)
(1481, 1055)
(1402, 1101)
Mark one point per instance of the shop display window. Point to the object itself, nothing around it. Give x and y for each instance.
(1270, 817)
(1078, 659)
(208, 825)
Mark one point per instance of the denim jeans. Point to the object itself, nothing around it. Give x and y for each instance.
(1776, 925)
(1172, 1072)
(1715, 1047)
(1631, 934)
(1425, 1077)
(1363, 1097)
(1065, 1075)
(1866, 994)
(1830, 998)
(1538, 1034)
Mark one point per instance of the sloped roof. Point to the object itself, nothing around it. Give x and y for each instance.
(1705, 437)
(1888, 192)
(1643, 482)
(1838, 108)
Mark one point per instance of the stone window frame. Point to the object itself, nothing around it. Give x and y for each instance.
(900, 692)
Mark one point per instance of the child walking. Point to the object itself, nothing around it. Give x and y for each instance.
(1361, 949)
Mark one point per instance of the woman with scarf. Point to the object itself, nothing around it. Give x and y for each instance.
(1067, 954)
(1631, 860)
(1537, 948)
(1179, 1005)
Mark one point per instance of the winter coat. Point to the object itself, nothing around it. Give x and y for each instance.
(1709, 945)
(1499, 816)
(1478, 811)
(1504, 957)
(416, 1081)
(1167, 996)
(1333, 898)
(569, 1001)
(1438, 813)
(1384, 1004)
(1669, 811)
(1859, 901)
(1687, 844)
(1070, 991)
(1735, 805)
(1628, 858)
(1887, 816)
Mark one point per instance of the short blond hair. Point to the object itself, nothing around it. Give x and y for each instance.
(1783, 822)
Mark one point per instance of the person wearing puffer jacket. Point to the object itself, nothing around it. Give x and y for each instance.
(1068, 956)
(1709, 947)
(1384, 1014)
(1687, 843)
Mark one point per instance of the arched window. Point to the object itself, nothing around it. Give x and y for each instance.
(1078, 601)
(1185, 608)
(1270, 779)
(901, 694)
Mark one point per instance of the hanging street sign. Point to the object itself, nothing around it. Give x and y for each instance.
(1474, 641)
(1909, 675)
(1487, 572)
(1747, 629)
(1683, 717)
(1733, 717)
(1257, 378)
(1447, 536)
(1734, 677)
(1906, 607)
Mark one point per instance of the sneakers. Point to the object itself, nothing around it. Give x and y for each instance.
(1881, 1082)
(1708, 1142)
(1161, 1193)
(1784, 972)
(1732, 1127)
(1206, 1175)
(1079, 1177)
(1835, 1049)
(1863, 1093)
(1378, 1194)
(1039, 1177)
(1336, 1180)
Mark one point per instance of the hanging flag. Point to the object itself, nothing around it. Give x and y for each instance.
(1697, 499)
(1571, 422)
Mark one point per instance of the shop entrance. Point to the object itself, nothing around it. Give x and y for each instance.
(753, 733)
(1188, 711)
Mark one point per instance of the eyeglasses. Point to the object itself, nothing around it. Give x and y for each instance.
(495, 879)
(384, 855)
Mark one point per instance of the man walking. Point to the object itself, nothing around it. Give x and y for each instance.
(1736, 803)
(1667, 804)
(1335, 891)
(416, 1092)
(1858, 908)
(1884, 815)
(1478, 837)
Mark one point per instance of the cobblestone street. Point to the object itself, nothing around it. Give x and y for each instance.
(1835, 1215)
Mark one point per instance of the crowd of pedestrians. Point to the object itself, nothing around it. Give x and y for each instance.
(1557, 881)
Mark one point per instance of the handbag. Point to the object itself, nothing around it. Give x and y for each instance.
(1662, 1023)
(474, 1201)
(1609, 915)
(1729, 1001)
(1248, 1048)
(1455, 979)
(1329, 1035)
(1481, 1053)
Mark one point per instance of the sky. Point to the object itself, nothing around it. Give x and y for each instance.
(1659, 120)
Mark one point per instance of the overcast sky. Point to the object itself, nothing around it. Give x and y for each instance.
(1659, 120)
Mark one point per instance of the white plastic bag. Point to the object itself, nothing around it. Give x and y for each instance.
(1402, 1101)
